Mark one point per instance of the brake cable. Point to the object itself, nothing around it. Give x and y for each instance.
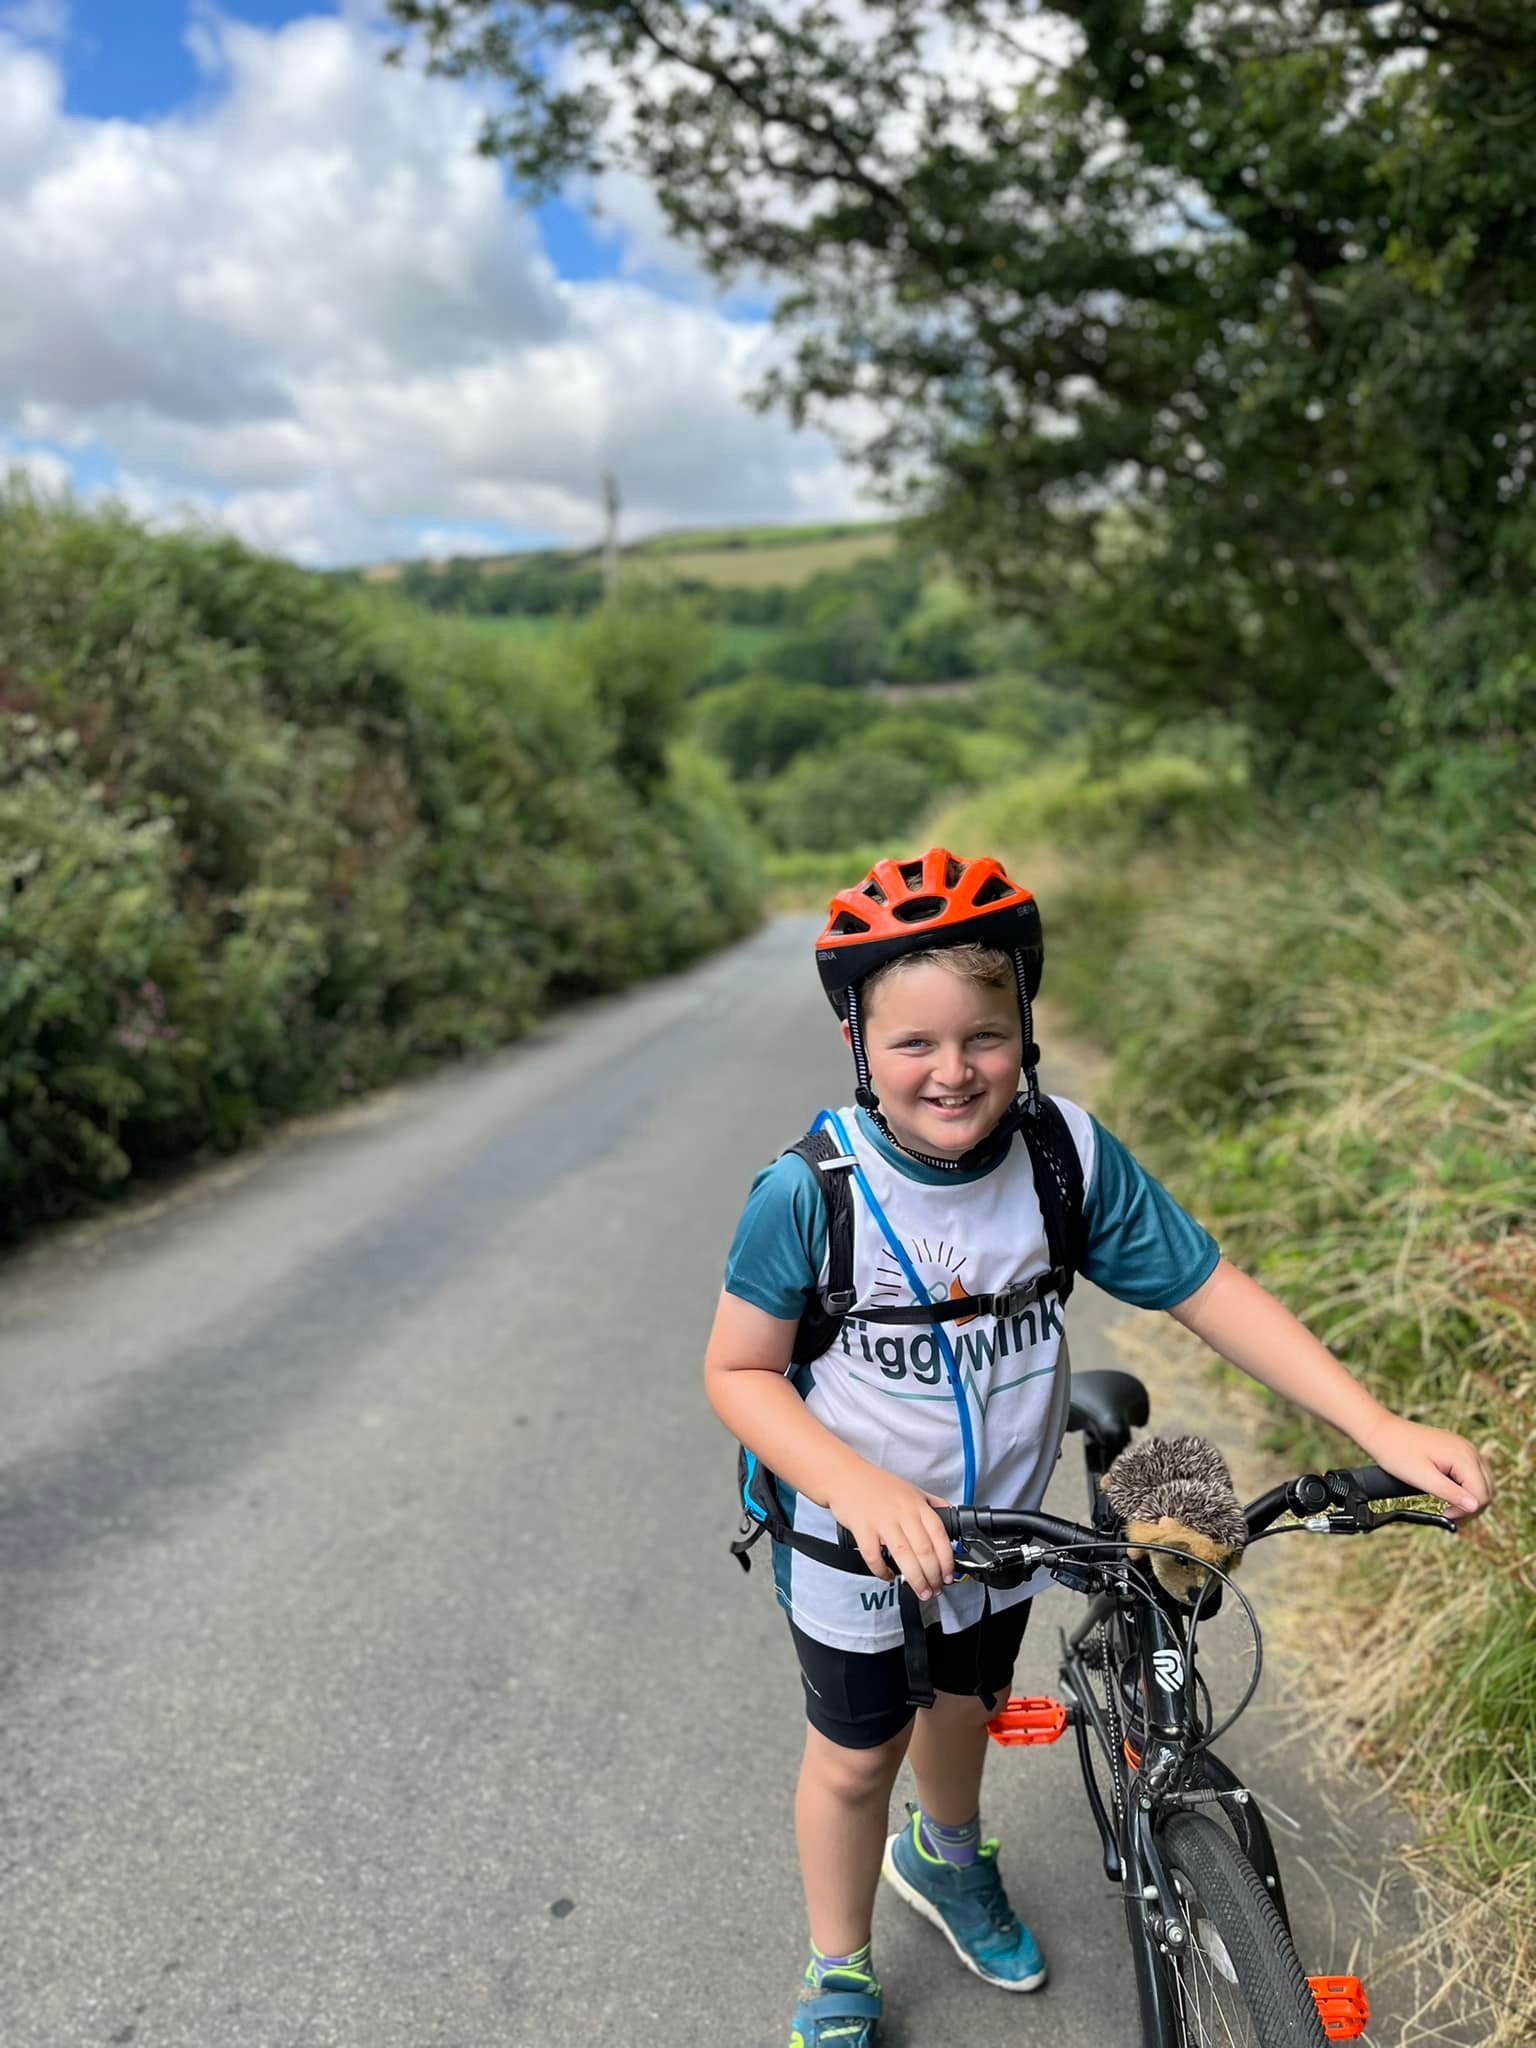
(1042, 1560)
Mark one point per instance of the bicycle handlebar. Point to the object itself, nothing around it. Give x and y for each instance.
(1311, 1493)
(1006, 1525)
(1315, 1493)
(962, 1523)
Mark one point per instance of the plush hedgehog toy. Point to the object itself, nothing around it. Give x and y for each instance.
(1176, 1490)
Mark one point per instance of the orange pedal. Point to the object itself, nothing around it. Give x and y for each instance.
(1341, 2006)
(1023, 1721)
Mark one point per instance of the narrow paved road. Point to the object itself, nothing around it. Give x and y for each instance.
(374, 1673)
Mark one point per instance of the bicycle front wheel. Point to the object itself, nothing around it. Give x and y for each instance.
(1237, 1981)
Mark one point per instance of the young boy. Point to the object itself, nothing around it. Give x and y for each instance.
(932, 965)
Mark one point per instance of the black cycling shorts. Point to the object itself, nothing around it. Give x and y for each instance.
(858, 1698)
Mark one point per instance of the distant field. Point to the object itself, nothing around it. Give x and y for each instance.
(528, 632)
(756, 567)
(737, 643)
(712, 539)
(744, 643)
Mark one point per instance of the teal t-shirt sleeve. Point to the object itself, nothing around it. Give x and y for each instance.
(1142, 1247)
(775, 1257)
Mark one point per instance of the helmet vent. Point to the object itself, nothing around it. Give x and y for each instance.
(873, 888)
(911, 872)
(846, 924)
(919, 910)
(991, 890)
(953, 870)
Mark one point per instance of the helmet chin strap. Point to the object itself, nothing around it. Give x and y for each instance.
(1024, 1106)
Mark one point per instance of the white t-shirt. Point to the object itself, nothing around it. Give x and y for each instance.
(884, 1390)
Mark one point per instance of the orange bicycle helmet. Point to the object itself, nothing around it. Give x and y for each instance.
(912, 906)
(916, 906)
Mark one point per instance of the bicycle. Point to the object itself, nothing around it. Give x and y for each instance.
(1204, 1904)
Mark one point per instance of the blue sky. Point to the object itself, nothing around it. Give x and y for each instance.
(266, 280)
(130, 59)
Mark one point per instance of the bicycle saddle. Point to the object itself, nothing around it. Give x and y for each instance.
(1108, 1405)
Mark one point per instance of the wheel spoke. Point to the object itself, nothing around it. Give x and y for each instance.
(1197, 1970)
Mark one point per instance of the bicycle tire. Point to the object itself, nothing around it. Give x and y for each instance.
(1237, 1982)
(1246, 1823)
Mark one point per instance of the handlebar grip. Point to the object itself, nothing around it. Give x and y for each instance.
(846, 1540)
(1372, 1481)
(950, 1517)
(1010, 1525)
(1004, 1524)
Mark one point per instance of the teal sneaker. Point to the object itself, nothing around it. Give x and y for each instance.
(842, 2012)
(968, 1903)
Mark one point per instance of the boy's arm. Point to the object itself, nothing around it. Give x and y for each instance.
(744, 1367)
(1241, 1320)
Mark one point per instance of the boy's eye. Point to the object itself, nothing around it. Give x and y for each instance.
(908, 1044)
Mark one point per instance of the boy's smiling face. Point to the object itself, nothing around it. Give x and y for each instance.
(944, 1055)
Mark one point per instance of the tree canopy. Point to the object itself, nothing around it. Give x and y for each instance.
(1204, 331)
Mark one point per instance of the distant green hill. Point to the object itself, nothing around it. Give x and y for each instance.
(830, 603)
(750, 557)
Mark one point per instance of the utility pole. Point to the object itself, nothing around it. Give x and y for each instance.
(610, 535)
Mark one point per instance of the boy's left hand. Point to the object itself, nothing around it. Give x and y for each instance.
(1432, 1461)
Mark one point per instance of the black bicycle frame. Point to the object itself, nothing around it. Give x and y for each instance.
(1128, 1835)
(1141, 1792)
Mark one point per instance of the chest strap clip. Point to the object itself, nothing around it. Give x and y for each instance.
(1014, 1300)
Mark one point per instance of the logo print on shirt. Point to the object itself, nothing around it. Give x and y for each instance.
(938, 1268)
(913, 1361)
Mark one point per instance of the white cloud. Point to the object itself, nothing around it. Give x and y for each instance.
(30, 93)
(306, 308)
(36, 21)
(47, 472)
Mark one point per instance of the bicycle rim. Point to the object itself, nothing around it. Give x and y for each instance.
(1236, 1982)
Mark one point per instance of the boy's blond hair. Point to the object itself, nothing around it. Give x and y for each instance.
(985, 966)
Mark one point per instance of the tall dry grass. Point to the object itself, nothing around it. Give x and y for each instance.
(1337, 1067)
(1329, 1049)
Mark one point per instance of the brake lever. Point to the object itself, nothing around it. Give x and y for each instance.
(1361, 1522)
(977, 1553)
(987, 1554)
(1349, 1511)
(1414, 1515)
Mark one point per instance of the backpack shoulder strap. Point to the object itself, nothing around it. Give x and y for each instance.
(825, 1316)
(1058, 1172)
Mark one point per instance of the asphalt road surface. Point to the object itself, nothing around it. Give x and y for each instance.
(374, 1671)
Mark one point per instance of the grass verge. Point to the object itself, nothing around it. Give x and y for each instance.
(1334, 1064)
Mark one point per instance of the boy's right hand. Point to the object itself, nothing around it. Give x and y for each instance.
(879, 1509)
